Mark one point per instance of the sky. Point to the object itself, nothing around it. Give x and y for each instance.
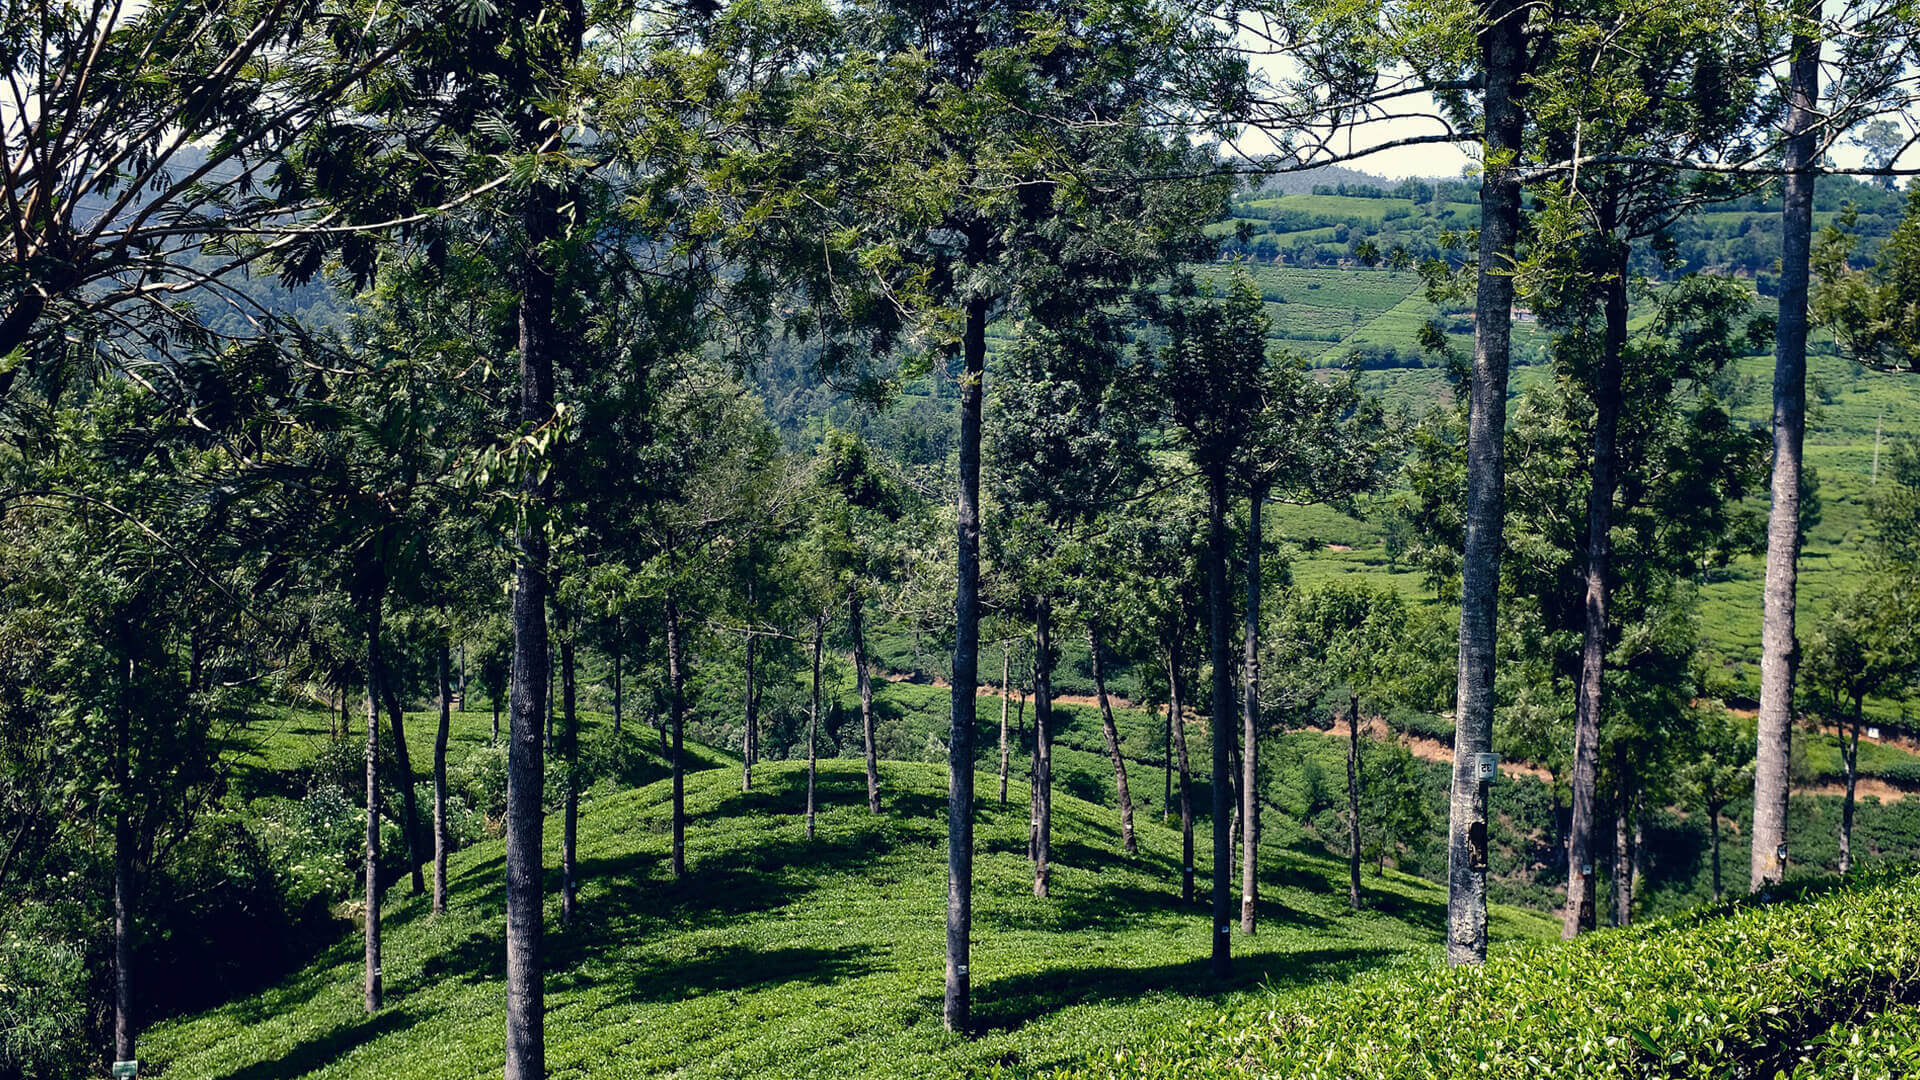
(1440, 160)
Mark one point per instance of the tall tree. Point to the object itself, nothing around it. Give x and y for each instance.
(1065, 440)
(1213, 368)
(1317, 441)
(985, 205)
(1779, 648)
(1504, 60)
(853, 502)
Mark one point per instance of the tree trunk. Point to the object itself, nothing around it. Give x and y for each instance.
(676, 719)
(1166, 766)
(1219, 653)
(1579, 913)
(526, 1046)
(1850, 759)
(495, 739)
(17, 326)
(1250, 721)
(813, 721)
(857, 623)
(441, 840)
(570, 746)
(1043, 747)
(1006, 700)
(1033, 767)
(1503, 58)
(1639, 839)
(1713, 824)
(619, 685)
(1779, 650)
(1178, 721)
(1112, 734)
(409, 805)
(750, 738)
(371, 921)
(1353, 801)
(124, 1040)
(1622, 853)
(956, 1009)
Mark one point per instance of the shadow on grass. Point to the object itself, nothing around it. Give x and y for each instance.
(728, 969)
(1427, 915)
(1009, 1003)
(318, 1051)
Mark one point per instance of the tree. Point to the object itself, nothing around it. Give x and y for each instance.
(144, 169)
(1504, 62)
(1721, 765)
(710, 461)
(1341, 642)
(1395, 815)
(855, 499)
(984, 205)
(1212, 368)
(1779, 649)
(1166, 553)
(1883, 140)
(1578, 271)
(1862, 648)
(1065, 441)
(1874, 312)
(1319, 441)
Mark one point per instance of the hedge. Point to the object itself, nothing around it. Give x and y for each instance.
(1741, 990)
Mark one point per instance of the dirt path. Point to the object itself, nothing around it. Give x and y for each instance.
(990, 690)
(1430, 749)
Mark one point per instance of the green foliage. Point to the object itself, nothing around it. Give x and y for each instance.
(45, 991)
(1736, 991)
(1395, 815)
(1874, 312)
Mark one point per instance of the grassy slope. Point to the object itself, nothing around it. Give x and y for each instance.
(784, 957)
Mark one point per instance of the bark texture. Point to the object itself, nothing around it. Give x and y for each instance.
(1219, 637)
(527, 707)
(1779, 649)
(676, 719)
(1850, 760)
(1602, 480)
(856, 622)
(1503, 57)
(1043, 748)
(125, 1029)
(813, 722)
(371, 869)
(1250, 722)
(750, 738)
(956, 1010)
(570, 747)
(1353, 802)
(1112, 734)
(1177, 719)
(1006, 700)
(441, 839)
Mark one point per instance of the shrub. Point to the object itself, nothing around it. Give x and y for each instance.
(1743, 990)
(43, 996)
